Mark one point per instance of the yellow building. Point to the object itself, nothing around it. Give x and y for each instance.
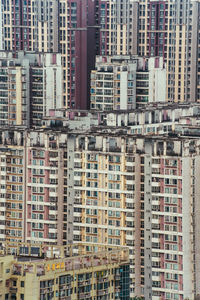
(78, 271)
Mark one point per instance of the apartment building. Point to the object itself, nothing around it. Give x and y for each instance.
(13, 86)
(31, 201)
(55, 26)
(150, 81)
(113, 84)
(126, 82)
(105, 184)
(45, 188)
(77, 29)
(12, 196)
(194, 53)
(138, 198)
(105, 30)
(153, 119)
(170, 29)
(29, 25)
(145, 28)
(30, 85)
(70, 272)
(78, 48)
(45, 86)
(115, 19)
(13, 174)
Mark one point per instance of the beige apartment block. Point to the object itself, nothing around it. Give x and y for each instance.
(124, 180)
(78, 271)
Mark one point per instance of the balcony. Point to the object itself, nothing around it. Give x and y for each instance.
(13, 290)
(52, 218)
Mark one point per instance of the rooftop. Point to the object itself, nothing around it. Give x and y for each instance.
(40, 259)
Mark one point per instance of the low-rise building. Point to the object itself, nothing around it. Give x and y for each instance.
(78, 271)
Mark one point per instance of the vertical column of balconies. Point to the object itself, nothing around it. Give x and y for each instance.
(3, 197)
(14, 194)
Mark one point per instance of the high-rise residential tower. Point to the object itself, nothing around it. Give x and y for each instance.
(116, 29)
(78, 47)
(170, 29)
(88, 28)
(77, 29)
(29, 25)
(109, 188)
(30, 85)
